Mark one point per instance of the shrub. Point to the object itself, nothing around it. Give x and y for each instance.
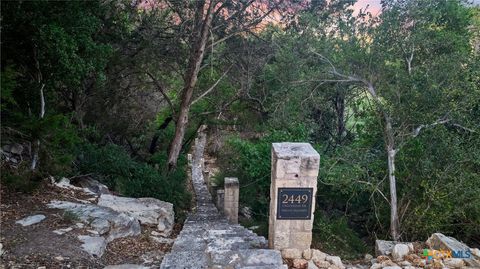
(20, 180)
(121, 173)
(333, 235)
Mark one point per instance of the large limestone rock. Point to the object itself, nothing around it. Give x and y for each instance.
(98, 217)
(149, 211)
(440, 241)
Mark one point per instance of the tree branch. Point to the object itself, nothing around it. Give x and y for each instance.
(417, 130)
(212, 87)
(162, 91)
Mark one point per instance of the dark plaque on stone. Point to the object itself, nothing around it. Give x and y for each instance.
(294, 203)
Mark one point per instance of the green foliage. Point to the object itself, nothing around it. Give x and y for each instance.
(26, 182)
(333, 235)
(114, 167)
(437, 170)
(70, 217)
(249, 161)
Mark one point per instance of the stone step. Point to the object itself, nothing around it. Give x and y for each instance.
(247, 257)
(185, 260)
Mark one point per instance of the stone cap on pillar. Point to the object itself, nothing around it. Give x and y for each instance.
(289, 150)
(231, 182)
(294, 160)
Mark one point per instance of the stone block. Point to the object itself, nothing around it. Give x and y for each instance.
(231, 196)
(220, 200)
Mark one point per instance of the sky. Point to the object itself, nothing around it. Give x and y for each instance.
(375, 7)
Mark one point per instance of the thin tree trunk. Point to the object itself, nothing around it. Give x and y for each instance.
(391, 153)
(36, 147)
(191, 76)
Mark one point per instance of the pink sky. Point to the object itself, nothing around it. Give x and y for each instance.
(373, 6)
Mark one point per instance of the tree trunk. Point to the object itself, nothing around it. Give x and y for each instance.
(190, 79)
(36, 147)
(391, 152)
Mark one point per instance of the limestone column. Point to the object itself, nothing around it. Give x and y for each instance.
(292, 195)
(230, 205)
(220, 200)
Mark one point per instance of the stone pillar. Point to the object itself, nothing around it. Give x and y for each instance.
(220, 199)
(292, 195)
(206, 178)
(230, 205)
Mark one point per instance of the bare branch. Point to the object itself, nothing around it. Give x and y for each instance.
(463, 127)
(42, 102)
(212, 87)
(417, 130)
(162, 91)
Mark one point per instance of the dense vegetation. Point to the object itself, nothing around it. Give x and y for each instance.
(391, 102)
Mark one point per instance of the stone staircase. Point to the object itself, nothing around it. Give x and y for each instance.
(209, 241)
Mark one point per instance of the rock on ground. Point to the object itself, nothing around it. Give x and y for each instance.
(94, 245)
(63, 231)
(311, 265)
(335, 260)
(317, 255)
(90, 184)
(454, 262)
(30, 220)
(441, 241)
(120, 225)
(383, 247)
(148, 211)
(300, 264)
(64, 183)
(399, 251)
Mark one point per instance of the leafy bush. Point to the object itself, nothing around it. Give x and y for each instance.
(25, 182)
(121, 173)
(250, 162)
(333, 235)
